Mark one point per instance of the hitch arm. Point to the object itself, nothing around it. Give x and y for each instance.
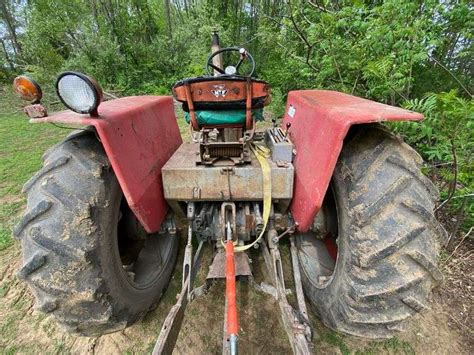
(173, 322)
(295, 322)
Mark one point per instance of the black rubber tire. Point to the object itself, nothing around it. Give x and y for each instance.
(387, 239)
(68, 233)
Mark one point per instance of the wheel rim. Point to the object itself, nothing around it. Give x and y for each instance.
(143, 256)
(318, 248)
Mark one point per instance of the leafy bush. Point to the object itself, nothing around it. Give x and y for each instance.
(393, 51)
(445, 139)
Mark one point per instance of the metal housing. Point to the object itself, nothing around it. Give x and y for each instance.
(183, 180)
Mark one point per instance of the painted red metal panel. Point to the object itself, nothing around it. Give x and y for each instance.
(320, 120)
(139, 135)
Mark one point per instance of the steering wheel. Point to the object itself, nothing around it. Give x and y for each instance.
(231, 69)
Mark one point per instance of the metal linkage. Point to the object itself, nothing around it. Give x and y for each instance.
(295, 321)
(290, 230)
(188, 260)
(172, 324)
(299, 289)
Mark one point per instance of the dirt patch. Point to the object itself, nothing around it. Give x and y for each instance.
(260, 328)
(456, 294)
(9, 199)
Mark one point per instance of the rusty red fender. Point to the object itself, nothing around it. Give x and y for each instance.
(139, 135)
(320, 120)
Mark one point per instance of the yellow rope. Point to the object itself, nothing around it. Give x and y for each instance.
(262, 153)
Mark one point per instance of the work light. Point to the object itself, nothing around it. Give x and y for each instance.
(27, 89)
(79, 93)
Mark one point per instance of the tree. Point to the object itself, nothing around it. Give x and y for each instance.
(7, 17)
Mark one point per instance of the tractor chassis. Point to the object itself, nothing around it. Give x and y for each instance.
(329, 165)
(295, 321)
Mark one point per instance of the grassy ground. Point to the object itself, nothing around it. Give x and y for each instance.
(21, 147)
(22, 330)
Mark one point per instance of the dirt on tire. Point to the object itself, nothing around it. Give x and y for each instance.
(388, 239)
(70, 243)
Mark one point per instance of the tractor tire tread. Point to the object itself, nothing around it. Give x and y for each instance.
(387, 267)
(62, 265)
(60, 161)
(40, 208)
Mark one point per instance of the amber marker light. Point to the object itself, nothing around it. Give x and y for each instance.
(27, 89)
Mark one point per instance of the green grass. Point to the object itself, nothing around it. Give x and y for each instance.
(21, 146)
(391, 346)
(334, 339)
(4, 289)
(5, 239)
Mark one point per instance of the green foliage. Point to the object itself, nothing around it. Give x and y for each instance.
(446, 141)
(360, 49)
(393, 51)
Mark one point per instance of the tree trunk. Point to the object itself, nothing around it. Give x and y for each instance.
(95, 14)
(168, 17)
(7, 57)
(10, 23)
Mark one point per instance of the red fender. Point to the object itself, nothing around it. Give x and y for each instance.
(139, 135)
(320, 120)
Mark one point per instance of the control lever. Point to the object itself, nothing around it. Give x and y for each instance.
(288, 125)
(274, 122)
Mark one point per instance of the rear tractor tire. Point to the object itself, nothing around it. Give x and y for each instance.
(371, 269)
(86, 258)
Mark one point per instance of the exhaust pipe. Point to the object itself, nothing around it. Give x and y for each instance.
(217, 60)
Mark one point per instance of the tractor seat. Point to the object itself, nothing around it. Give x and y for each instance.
(211, 118)
(222, 100)
(221, 93)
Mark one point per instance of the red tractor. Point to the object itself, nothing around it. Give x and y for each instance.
(100, 233)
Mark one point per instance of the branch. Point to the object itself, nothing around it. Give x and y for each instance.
(298, 58)
(319, 7)
(110, 95)
(452, 75)
(297, 29)
(391, 87)
(306, 19)
(294, 56)
(301, 36)
(459, 219)
(452, 187)
(336, 65)
(459, 244)
(355, 84)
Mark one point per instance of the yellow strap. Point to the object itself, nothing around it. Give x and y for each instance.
(262, 153)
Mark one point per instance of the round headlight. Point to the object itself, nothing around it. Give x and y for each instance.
(27, 89)
(79, 93)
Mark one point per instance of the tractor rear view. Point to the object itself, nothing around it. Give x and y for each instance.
(101, 230)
